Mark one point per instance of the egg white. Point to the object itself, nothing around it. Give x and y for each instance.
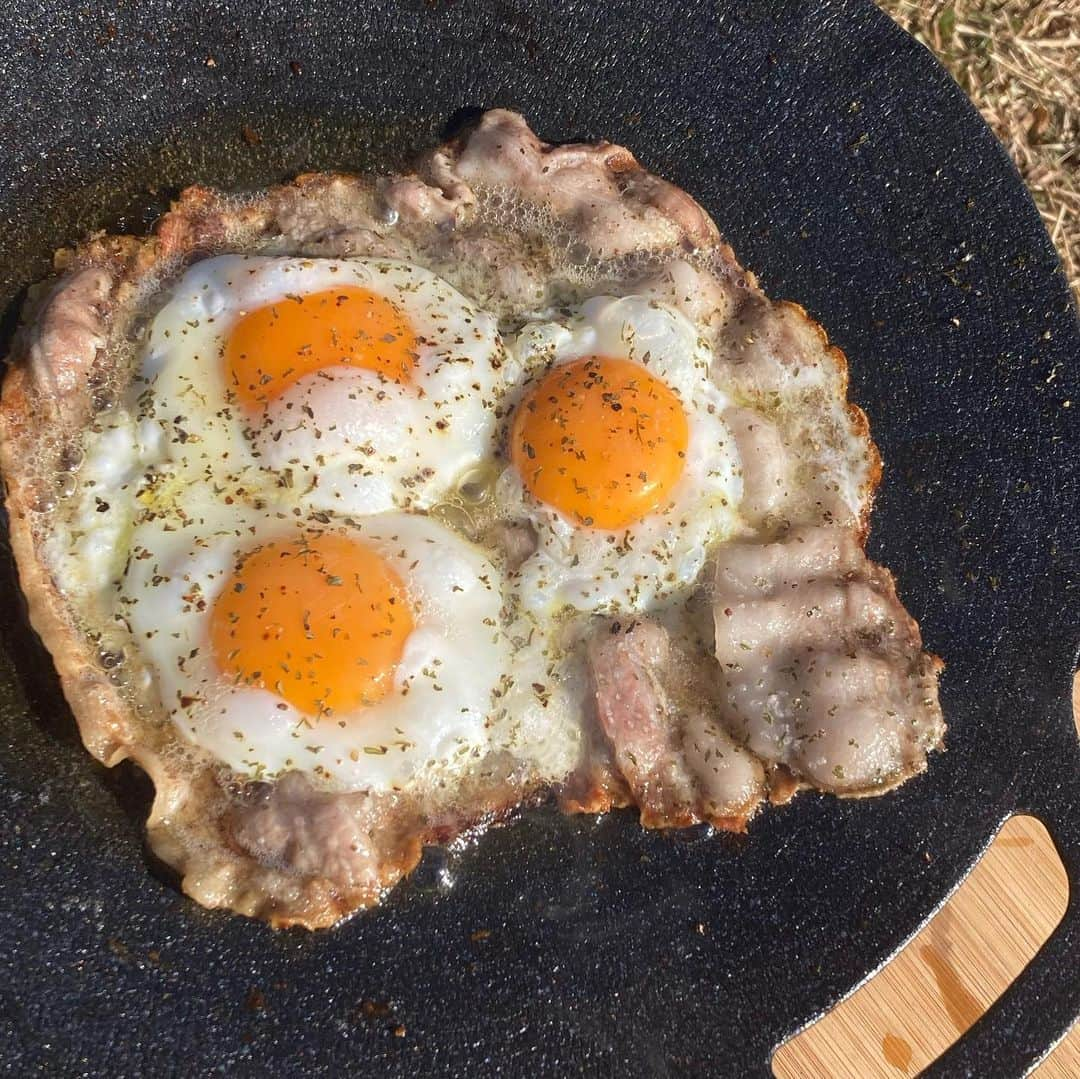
(190, 488)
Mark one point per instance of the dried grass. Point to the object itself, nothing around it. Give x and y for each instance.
(1019, 61)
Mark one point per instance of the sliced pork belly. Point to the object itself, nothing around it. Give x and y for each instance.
(679, 763)
(310, 833)
(766, 466)
(596, 190)
(821, 668)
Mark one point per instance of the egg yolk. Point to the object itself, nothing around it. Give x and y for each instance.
(320, 621)
(600, 439)
(272, 347)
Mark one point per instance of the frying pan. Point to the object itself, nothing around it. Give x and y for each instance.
(843, 165)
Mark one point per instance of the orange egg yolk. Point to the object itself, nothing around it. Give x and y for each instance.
(600, 439)
(320, 621)
(272, 347)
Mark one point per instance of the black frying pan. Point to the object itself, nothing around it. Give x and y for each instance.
(843, 165)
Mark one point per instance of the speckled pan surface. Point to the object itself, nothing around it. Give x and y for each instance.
(848, 171)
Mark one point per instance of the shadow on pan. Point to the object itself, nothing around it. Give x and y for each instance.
(848, 170)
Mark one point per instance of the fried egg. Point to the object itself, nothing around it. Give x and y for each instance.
(618, 457)
(366, 654)
(364, 385)
(349, 575)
